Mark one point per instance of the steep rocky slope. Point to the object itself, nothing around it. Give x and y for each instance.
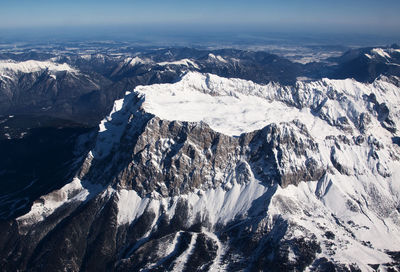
(215, 174)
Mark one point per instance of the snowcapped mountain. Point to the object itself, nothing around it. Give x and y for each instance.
(385, 53)
(82, 86)
(366, 64)
(217, 174)
(10, 67)
(46, 88)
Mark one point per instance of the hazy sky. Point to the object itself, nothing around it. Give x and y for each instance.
(373, 16)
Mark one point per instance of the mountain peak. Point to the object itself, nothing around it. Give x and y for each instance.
(30, 66)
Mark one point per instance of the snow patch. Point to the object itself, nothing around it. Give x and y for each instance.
(130, 206)
(46, 205)
(179, 263)
(136, 61)
(380, 52)
(218, 58)
(183, 62)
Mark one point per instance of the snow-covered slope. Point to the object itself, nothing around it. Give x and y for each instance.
(224, 174)
(51, 89)
(383, 53)
(231, 110)
(31, 66)
(233, 106)
(184, 62)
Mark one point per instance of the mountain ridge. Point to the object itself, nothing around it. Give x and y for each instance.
(167, 195)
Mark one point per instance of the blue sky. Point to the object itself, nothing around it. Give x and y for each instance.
(324, 15)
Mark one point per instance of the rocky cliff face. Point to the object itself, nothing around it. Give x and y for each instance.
(215, 174)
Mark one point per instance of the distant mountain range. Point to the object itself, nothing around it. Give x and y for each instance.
(64, 85)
